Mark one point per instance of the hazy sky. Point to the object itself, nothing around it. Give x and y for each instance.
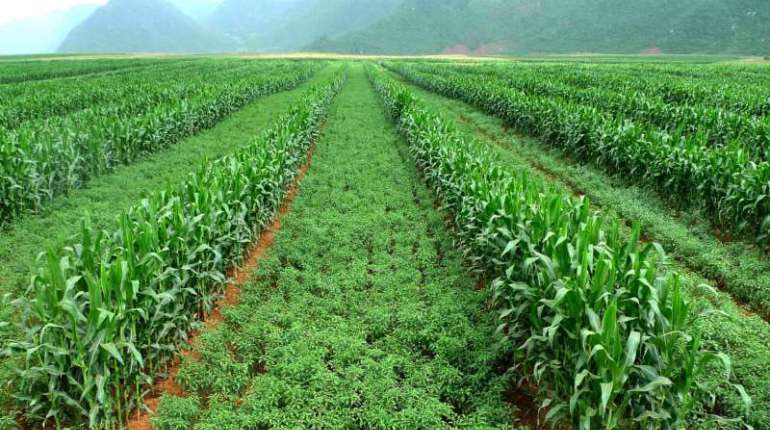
(11, 10)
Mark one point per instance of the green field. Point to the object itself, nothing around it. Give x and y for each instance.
(579, 242)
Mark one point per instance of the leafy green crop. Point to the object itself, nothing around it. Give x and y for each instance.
(26, 71)
(49, 157)
(46, 99)
(103, 316)
(602, 328)
(654, 102)
(727, 181)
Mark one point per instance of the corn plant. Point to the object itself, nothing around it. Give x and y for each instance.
(44, 159)
(104, 316)
(730, 185)
(39, 100)
(26, 71)
(714, 126)
(602, 327)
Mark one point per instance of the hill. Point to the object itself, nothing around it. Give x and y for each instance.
(247, 21)
(141, 26)
(41, 34)
(427, 26)
(559, 26)
(290, 25)
(198, 10)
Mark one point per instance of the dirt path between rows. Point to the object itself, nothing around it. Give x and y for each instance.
(142, 419)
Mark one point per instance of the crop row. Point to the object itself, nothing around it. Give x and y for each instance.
(105, 315)
(23, 71)
(739, 90)
(706, 125)
(733, 189)
(44, 99)
(730, 88)
(47, 158)
(603, 329)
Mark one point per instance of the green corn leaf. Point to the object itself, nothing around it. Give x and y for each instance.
(632, 346)
(660, 381)
(113, 351)
(606, 388)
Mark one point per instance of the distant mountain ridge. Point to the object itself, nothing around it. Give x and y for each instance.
(564, 26)
(248, 18)
(427, 26)
(291, 25)
(141, 26)
(198, 10)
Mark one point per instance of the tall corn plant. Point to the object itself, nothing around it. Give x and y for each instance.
(732, 186)
(713, 126)
(48, 158)
(603, 331)
(105, 315)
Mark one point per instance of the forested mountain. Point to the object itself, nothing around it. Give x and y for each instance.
(290, 25)
(141, 26)
(428, 26)
(199, 10)
(248, 20)
(616, 26)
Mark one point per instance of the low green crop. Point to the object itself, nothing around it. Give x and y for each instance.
(177, 413)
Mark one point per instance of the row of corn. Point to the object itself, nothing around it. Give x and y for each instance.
(709, 125)
(730, 186)
(48, 157)
(105, 315)
(603, 330)
(39, 100)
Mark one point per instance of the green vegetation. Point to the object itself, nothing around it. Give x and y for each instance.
(105, 315)
(23, 71)
(54, 155)
(360, 316)
(604, 334)
(720, 176)
(701, 258)
(45, 99)
(727, 105)
(564, 26)
(109, 195)
(527, 282)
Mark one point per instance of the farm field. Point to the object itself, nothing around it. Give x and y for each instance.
(332, 243)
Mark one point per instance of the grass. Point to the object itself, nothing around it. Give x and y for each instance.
(109, 195)
(361, 315)
(688, 240)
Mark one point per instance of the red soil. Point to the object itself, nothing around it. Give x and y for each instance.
(141, 419)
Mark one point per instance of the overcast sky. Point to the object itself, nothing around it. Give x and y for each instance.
(11, 10)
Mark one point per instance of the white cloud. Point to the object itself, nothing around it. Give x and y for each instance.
(12, 10)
